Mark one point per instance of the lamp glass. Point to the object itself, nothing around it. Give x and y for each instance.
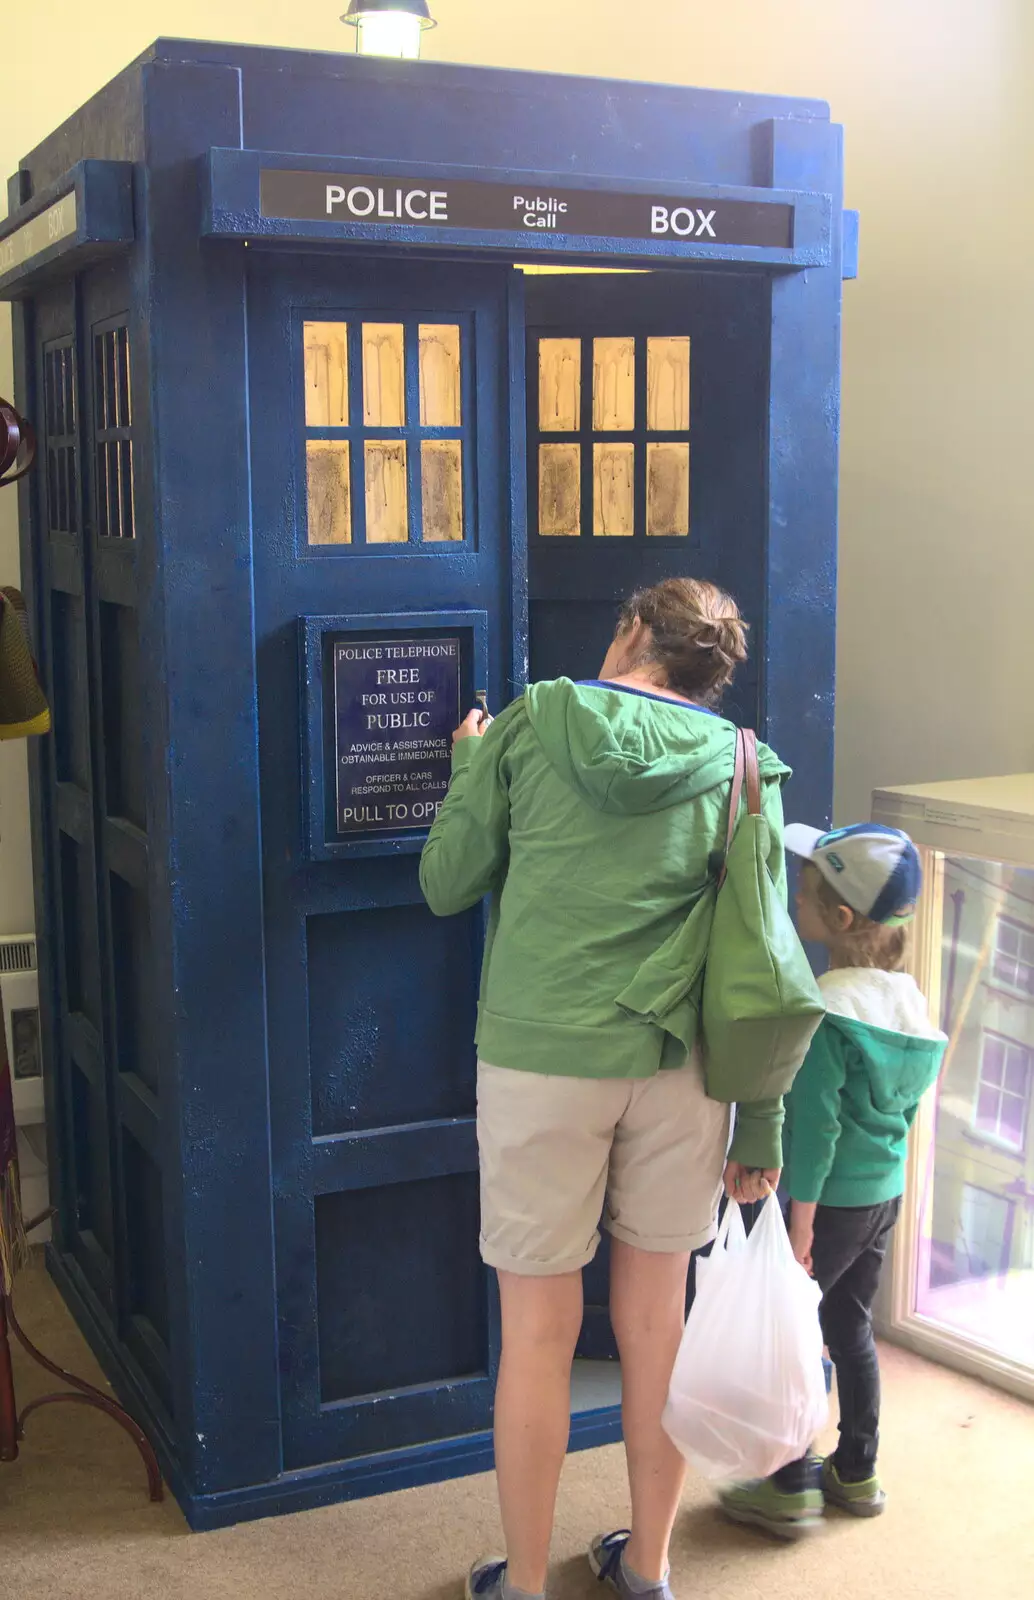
(390, 33)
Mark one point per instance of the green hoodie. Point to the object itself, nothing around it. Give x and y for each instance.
(591, 815)
(855, 1098)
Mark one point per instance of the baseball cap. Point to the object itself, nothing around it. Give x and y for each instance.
(875, 870)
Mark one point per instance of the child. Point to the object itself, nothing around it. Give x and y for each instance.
(845, 1143)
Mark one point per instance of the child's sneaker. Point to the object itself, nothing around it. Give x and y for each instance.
(865, 1499)
(606, 1558)
(763, 1504)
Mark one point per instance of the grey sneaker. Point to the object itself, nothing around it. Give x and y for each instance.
(605, 1559)
(485, 1580)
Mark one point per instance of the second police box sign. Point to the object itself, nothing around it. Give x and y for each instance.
(396, 205)
(396, 706)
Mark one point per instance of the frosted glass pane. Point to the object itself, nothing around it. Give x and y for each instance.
(613, 385)
(1014, 1116)
(560, 489)
(441, 476)
(613, 489)
(387, 499)
(440, 405)
(384, 375)
(560, 385)
(994, 1060)
(667, 489)
(326, 374)
(329, 490)
(667, 385)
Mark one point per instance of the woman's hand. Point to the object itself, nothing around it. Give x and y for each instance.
(474, 724)
(747, 1185)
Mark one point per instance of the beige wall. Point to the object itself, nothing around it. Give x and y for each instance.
(937, 571)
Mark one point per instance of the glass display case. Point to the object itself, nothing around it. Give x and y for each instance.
(961, 1284)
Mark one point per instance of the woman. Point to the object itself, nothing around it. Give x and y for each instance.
(592, 812)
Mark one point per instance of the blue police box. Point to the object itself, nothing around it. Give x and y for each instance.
(333, 436)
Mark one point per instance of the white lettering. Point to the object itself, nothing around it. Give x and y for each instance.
(398, 675)
(335, 195)
(439, 206)
(684, 221)
(413, 195)
(354, 196)
(398, 719)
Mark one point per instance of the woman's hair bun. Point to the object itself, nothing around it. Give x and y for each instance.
(698, 637)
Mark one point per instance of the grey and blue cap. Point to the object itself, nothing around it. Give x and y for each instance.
(875, 870)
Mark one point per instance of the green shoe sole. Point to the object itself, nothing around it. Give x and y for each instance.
(789, 1529)
(839, 1494)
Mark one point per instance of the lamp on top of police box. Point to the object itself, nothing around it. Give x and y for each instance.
(389, 27)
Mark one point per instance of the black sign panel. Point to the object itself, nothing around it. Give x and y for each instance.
(50, 227)
(395, 204)
(396, 705)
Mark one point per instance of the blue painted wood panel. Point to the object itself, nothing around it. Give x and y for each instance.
(370, 999)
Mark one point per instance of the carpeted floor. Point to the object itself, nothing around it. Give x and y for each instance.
(75, 1523)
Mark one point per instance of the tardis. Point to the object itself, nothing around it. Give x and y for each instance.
(363, 387)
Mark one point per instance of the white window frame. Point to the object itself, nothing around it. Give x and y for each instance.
(999, 1140)
(1025, 935)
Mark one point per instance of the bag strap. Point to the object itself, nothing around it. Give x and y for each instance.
(746, 774)
(749, 740)
(736, 792)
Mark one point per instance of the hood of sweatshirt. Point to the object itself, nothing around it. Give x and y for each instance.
(628, 752)
(887, 1019)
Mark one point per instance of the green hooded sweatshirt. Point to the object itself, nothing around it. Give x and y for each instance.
(592, 815)
(855, 1098)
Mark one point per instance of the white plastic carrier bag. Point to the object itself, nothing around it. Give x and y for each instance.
(748, 1394)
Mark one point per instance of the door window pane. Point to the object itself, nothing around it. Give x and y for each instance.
(387, 500)
(384, 471)
(441, 477)
(560, 385)
(560, 489)
(329, 488)
(613, 385)
(384, 375)
(326, 374)
(113, 434)
(667, 385)
(640, 387)
(613, 489)
(667, 489)
(440, 402)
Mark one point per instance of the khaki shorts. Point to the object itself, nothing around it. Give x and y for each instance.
(557, 1152)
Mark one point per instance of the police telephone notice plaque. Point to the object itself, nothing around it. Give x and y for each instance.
(396, 706)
